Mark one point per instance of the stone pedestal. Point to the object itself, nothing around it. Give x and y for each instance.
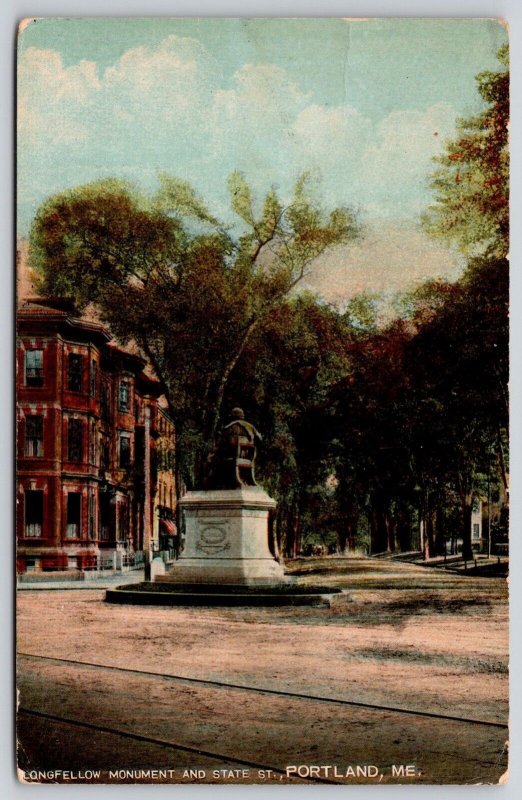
(157, 568)
(226, 540)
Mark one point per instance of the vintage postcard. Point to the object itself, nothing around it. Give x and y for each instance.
(262, 480)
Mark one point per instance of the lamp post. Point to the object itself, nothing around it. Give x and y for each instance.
(489, 508)
(147, 533)
(422, 527)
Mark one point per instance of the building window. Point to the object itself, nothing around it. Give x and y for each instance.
(34, 436)
(75, 440)
(105, 516)
(74, 511)
(33, 513)
(476, 530)
(34, 368)
(124, 522)
(105, 403)
(74, 372)
(124, 396)
(93, 443)
(94, 378)
(91, 515)
(125, 451)
(104, 453)
(139, 447)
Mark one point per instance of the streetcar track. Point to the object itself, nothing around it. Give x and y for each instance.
(219, 757)
(264, 690)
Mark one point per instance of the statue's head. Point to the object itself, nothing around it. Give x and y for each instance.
(237, 413)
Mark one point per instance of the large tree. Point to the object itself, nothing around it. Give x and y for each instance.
(471, 184)
(163, 271)
(458, 362)
(464, 347)
(287, 372)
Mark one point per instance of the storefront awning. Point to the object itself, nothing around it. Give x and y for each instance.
(168, 527)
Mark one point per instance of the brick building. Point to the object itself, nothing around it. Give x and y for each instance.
(91, 478)
(164, 525)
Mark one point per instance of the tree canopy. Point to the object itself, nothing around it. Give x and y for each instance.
(163, 271)
(471, 184)
(372, 431)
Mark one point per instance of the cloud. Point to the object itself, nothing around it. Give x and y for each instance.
(265, 88)
(250, 123)
(332, 141)
(53, 100)
(318, 127)
(390, 258)
(169, 107)
(168, 84)
(396, 166)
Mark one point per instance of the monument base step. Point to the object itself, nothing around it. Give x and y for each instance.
(226, 572)
(171, 594)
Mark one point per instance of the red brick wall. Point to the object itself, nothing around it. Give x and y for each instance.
(53, 472)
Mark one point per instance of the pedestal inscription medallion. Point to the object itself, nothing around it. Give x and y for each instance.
(213, 538)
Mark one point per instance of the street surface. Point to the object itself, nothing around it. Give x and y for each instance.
(116, 688)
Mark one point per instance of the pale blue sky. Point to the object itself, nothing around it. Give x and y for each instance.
(389, 64)
(364, 104)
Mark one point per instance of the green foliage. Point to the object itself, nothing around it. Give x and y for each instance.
(177, 197)
(461, 351)
(165, 273)
(366, 427)
(86, 241)
(362, 310)
(287, 374)
(471, 185)
(241, 198)
(423, 302)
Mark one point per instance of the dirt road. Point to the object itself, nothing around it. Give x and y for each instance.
(402, 638)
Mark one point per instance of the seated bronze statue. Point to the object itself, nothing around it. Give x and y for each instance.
(234, 466)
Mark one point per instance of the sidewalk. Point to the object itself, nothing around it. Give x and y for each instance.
(104, 582)
(479, 564)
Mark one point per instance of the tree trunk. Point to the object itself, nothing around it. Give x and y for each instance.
(272, 534)
(287, 532)
(284, 532)
(430, 533)
(178, 490)
(292, 532)
(347, 532)
(502, 462)
(351, 530)
(227, 371)
(379, 533)
(342, 536)
(372, 519)
(390, 533)
(404, 531)
(297, 533)
(440, 530)
(466, 505)
(423, 535)
(382, 531)
(278, 538)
